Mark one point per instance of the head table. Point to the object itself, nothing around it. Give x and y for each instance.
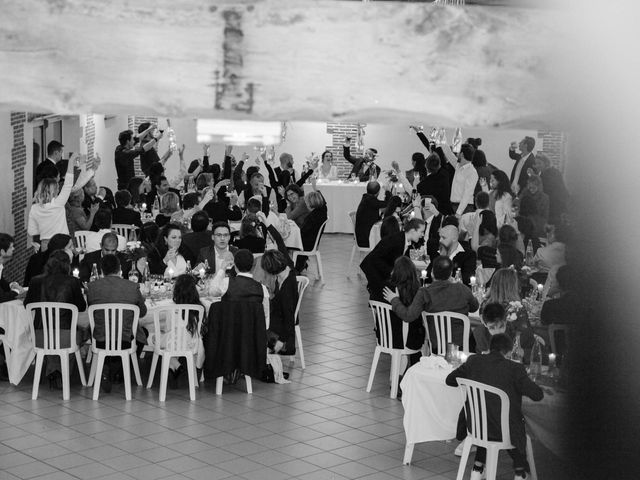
(341, 198)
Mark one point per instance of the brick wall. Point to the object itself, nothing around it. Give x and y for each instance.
(90, 135)
(554, 145)
(338, 131)
(16, 267)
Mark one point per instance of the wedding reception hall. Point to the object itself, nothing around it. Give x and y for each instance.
(317, 239)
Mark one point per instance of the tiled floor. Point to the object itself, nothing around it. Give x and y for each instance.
(321, 426)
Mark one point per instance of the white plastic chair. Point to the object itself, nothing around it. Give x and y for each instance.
(126, 231)
(113, 326)
(477, 428)
(175, 344)
(303, 283)
(81, 238)
(51, 344)
(356, 247)
(247, 380)
(382, 319)
(315, 252)
(555, 328)
(442, 322)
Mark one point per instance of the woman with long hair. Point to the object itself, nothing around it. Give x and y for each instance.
(37, 261)
(169, 204)
(167, 256)
(500, 195)
(56, 285)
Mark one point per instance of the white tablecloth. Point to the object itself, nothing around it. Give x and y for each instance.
(374, 234)
(341, 198)
(15, 322)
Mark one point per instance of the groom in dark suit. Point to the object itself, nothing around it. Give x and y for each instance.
(524, 161)
(364, 167)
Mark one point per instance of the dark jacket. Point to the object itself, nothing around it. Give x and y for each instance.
(529, 163)
(194, 242)
(209, 254)
(46, 169)
(466, 262)
(554, 187)
(96, 257)
(438, 185)
(6, 294)
(367, 214)
(125, 168)
(36, 264)
(56, 288)
(378, 264)
(359, 166)
(220, 212)
(311, 226)
(126, 216)
(511, 377)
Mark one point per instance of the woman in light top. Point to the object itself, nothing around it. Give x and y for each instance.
(169, 204)
(327, 170)
(168, 256)
(500, 195)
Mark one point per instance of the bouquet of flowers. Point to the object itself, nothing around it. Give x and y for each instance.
(514, 310)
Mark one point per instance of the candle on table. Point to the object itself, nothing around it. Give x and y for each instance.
(540, 288)
(76, 273)
(423, 274)
(202, 272)
(552, 360)
(472, 281)
(171, 273)
(144, 206)
(463, 357)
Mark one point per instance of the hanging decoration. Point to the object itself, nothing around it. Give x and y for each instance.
(283, 134)
(449, 2)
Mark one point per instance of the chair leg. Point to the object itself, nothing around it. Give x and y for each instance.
(247, 380)
(164, 376)
(152, 372)
(492, 463)
(36, 375)
(353, 254)
(374, 365)
(319, 260)
(89, 354)
(99, 365)
(532, 462)
(300, 349)
(64, 367)
(395, 373)
(219, 386)
(126, 374)
(136, 368)
(92, 371)
(408, 453)
(464, 458)
(192, 377)
(83, 377)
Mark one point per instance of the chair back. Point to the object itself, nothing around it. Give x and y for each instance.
(303, 283)
(114, 314)
(475, 409)
(554, 329)
(442, 323)
(352, 216)
(382, 320)
(50, 319)
(129, 232)
(320, 232)
(178, 338)
(81, 238)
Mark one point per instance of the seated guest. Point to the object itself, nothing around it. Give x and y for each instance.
(77, 219)
(569, 307)
(220, 250)
(199, 237)
(378, 264)
(485, 231)
(108, 246)
(55, 285)
(37, 261)
(222, 207)
(91, 198)
(493, 322)
(135, 189)
(254, 205)
(296, 209)
(189, 207)
(168, 255)
(169, 204)
(149, 233)
(257, 187)
(254, 230)
(112, 288)
(8, 291)
(440, 296)
(553, 255)
(238, 346)
(534, 205)
(505, 290)
(283, 287)
(433, 220)
(159, 188)
(391, 219)
(462, 258)
(102, 222)
(310, 228)
(368, 212)
(510, 377)
(124, 214)
(437, 184)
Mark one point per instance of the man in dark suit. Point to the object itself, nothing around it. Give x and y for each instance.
(368, 212)
(114, 289)
(124, 214)
(47, 168)
(437, 184)
(219, 251)
(125, 154)
(510, 377)
(364, 167)
(159, 188)
(223, 209)
(428, 211)
(525, 160)
(8, 291)
(463, 258)
(108, 246)
(378, 264)
(199, 237)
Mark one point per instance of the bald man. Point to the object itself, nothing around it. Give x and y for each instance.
(462, 258)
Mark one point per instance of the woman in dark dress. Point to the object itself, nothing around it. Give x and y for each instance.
(56, 285)
(283, 288)
(59, 241)
(168, 252)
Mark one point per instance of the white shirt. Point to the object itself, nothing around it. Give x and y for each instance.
(502, 209)
(51, 218)
(220, 256)
(464, 183)
(514, 185)
(456, 251)
(94, 241)
(220, 284)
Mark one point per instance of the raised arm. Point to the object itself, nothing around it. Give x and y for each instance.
(346, 152)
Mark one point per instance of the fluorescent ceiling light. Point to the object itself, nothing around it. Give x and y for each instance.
(238, 132)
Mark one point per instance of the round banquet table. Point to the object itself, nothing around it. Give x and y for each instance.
(341, 197)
